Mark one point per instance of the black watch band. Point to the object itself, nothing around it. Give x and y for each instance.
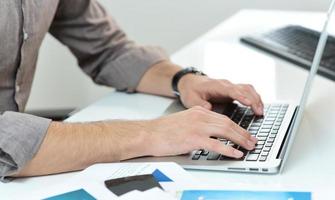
(176, 78)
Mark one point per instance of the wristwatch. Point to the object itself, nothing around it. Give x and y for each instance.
(176, 78)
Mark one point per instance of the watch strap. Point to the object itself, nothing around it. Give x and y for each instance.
(176, 78)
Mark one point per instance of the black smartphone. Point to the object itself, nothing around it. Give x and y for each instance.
(121, 186)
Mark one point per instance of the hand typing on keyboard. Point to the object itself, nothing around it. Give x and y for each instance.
(199, 127)
(202, 91)
(196, 128)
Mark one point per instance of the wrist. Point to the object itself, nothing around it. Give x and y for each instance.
(182, 76)
(186, 82)
(130, 138)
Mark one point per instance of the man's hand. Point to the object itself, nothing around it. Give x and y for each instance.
(201, 91)
(192, 129)
(196, 90)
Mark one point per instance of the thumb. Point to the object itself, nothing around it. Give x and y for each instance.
(197, 101)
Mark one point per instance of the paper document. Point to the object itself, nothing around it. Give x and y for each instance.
(173, 179)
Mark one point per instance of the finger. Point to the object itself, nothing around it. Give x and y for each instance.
(221, 120)
(196, 100)
(218, 147)
(246, 99)
(251, 92)
(220, 131)
(225, 119)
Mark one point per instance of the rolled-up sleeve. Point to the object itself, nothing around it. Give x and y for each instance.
(103, 50)
(20, 138)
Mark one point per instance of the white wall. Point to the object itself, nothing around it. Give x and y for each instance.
(59, 83)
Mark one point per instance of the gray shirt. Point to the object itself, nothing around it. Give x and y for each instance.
(102, 49)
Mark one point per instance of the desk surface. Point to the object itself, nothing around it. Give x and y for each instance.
(311, 164)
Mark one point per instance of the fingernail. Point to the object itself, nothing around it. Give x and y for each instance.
(238, 153)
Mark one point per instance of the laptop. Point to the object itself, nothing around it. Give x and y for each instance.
(275, 130)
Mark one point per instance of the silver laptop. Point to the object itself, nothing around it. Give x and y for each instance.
(275, 131)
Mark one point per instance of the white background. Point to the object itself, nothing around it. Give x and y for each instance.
(59, 83)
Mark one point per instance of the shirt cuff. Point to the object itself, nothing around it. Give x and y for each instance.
(20, 138)
(125, 72)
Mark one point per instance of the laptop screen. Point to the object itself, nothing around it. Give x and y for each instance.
(308, 85)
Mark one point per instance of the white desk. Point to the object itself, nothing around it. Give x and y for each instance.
(311, 165)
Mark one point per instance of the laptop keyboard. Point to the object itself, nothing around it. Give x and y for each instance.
(297, 44)
(264, 128)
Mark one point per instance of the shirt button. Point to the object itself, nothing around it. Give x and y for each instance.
(17, 88)
(25, 35)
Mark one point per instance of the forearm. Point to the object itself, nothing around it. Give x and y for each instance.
(71, 147)
(157, 80)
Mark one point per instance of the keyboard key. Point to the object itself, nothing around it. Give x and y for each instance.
(244, 125)
(260, 134)
(248, 118)
(249, 112)
(266, 149)
(258, 120)
(276, 105)
(262, 158)
(261, 138)
(254, 124)
(198, 152)
(265, 154)
(270, 119)
(213, 156)
(205, 153)
(223, 141)
(195, 157)
(261, 142)
(266, 126)
(229, 158)
(253, 129)
(255, 151)
(229, 109)
(268, 123)
(271, 139)
(259, 146)
(252, 157)
(265, 130)
(271, 115)
(268, 145)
